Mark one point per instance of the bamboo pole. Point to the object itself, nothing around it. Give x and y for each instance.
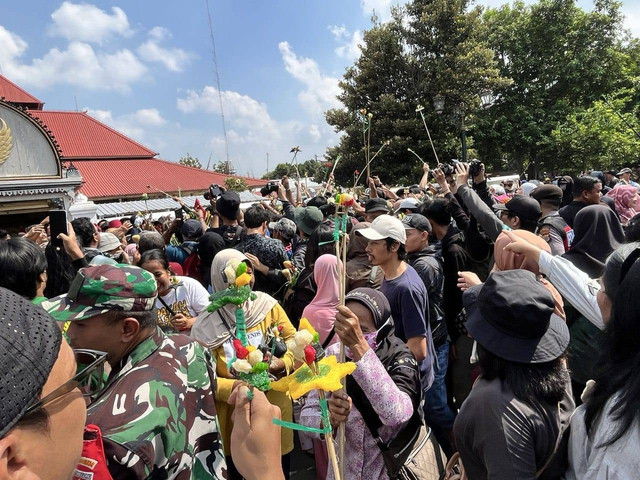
(369, 162)
(341, 254)
(333, 169)
(331, 449)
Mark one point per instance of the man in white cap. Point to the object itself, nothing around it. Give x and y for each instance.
(404, 289)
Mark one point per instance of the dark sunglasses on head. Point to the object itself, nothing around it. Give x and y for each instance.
(89, 379)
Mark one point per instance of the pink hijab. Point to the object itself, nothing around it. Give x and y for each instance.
(621, 196)
(321, 312)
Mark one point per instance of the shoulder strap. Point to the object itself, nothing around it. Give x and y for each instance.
(171, 312)
(327, 340)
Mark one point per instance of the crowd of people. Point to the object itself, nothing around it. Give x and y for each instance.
(492, 326)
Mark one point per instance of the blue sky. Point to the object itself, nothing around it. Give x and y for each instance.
(145, 67)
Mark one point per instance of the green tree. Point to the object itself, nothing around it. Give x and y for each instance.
(317, 170)
(236, 184)
(562, 59)
(430, 47)
(601, 136)
(190, 161)
(221, 167)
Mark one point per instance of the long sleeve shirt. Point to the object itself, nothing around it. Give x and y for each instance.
(487, 219)
(157, 414)
(574, 285)
(394, 407)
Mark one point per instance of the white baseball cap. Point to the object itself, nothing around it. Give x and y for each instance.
(385, 226)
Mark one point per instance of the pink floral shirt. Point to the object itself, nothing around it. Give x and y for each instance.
(364, 459)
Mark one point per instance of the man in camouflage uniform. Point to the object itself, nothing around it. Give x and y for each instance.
(157, 413)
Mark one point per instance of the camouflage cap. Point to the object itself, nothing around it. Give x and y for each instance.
(103, 288)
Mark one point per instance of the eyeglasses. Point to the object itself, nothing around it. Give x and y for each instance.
(89, 379)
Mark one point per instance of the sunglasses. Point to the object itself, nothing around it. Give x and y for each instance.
(90, 378)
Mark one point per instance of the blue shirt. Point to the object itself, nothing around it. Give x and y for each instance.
(179, 254)
(409, 303)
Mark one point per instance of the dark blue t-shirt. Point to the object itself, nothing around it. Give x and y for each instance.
(409, 302)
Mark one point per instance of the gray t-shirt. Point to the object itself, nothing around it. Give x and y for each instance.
(500, 437)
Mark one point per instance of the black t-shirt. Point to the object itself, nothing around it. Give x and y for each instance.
(230, 233)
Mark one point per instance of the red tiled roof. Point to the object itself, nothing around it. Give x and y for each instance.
(82, 136)
(121, 178)
(14, 94)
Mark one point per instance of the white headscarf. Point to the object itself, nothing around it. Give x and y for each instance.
(215, 328)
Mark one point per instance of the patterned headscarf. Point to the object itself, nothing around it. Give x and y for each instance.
(621, 196)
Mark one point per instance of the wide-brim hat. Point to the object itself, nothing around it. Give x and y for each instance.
(511, 315)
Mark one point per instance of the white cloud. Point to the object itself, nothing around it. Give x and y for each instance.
(88, 23)
(339, 32)
(160, 33)
(315, 133)
(79, 64)
(631, 12)
(382, 8)
(321, 90)
(349, 42)
(252, 131)
(131, 124)
(240, 110)
(174, 59)
(149, 116)
(11, 46)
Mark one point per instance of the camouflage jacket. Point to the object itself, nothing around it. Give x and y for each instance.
(157, 414)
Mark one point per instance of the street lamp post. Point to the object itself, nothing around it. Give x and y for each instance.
(486, 97)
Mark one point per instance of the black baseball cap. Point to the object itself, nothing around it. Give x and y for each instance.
(228, 204)
(522, 206)
(416, 221)
(511, 315)
(191, 229)
(29, 346)
(376, 205)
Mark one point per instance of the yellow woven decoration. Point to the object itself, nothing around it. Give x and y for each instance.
(303, 380)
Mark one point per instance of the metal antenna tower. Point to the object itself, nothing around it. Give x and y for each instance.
(230, 168)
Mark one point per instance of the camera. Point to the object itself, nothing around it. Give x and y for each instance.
(449, 168)
(474, 167)
(269, 188)
(213, 192)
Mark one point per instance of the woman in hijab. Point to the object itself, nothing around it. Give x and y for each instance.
(508, 260)
(383, 394)
(626, 200)
(300, 295)
(566, 185)
(321, 312)
(217, 330)
(360, 272)
(597, 233)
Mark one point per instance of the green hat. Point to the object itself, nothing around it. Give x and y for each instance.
(308, 219)
(104, 288)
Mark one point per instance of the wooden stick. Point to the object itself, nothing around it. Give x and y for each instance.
(333, 169)
(369, 162)
(343, 287)
(331, 449)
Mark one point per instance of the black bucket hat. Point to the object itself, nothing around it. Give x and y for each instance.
(511, 315)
